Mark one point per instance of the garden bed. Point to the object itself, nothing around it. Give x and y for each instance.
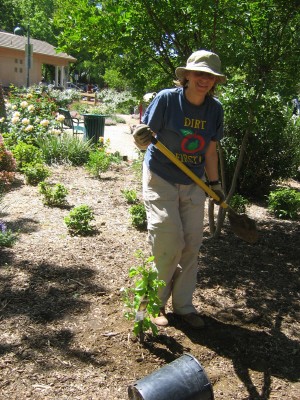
(63, 334)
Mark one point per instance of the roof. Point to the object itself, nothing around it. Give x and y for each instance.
(15, 42)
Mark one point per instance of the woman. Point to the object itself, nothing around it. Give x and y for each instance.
(189, 121)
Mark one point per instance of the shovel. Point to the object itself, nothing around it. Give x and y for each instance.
(241, 225)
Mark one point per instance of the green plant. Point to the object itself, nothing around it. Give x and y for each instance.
(98, 162)
(239, 203)
(26, 153)
(284, 203)
(7, 237)
(79, 220)
(35, 173)
(54, 195)
(141, 300)
(130, 195)
(138, 216)
(65, 149)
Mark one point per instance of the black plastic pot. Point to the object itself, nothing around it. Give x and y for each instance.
(182, 379)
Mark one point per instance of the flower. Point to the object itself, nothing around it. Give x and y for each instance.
(25, 121)
(60, 118)
(29, 128)
(16, 114)
(2, 227)
(14, 120)
(55, 132)
(24, 104)
(2, 120)
(30, 108)
(29, 95)
(14, 107)
(44, 122)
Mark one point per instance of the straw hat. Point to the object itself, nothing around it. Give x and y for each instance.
(204, 61)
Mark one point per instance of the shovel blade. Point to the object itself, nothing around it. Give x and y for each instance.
(243, 226)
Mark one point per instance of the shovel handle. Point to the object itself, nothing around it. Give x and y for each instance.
(187, 171)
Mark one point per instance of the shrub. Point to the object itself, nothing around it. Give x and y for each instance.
(98, 162)
(26, 153)
(54, 195)
(35, 173)
(272, 151)
(7, 165)
(284, 203)
(239, 203)
(138, 216)
(79, 220)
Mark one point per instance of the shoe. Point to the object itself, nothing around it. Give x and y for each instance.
(161, 319)
(193, 320)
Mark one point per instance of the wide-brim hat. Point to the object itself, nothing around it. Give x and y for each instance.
(205, 61)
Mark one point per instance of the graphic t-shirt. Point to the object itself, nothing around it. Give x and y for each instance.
(185, 129)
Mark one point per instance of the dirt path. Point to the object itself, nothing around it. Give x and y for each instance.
(63, 334)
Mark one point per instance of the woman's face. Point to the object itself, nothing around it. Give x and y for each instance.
(200, 82)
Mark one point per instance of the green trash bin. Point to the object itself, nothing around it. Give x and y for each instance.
(94, 126)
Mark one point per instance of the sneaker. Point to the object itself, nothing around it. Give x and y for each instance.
(161, 319)
(193, 320)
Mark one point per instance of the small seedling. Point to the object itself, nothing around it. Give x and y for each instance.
(54, 195)
(141, 300)
(138, 216)
(79, 219)
(130, 196)
(239, 203)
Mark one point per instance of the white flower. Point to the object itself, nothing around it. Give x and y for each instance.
(14, 120)
(30, 108)
(29, 128)
(55, 132)
(14, 107)
(16, 114)
(24, 104)
(2, 120)
(60, 118)
(25, 121)
(44, 122)
(29, 95)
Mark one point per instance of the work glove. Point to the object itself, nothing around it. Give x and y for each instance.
(142, 136)
(217, 188)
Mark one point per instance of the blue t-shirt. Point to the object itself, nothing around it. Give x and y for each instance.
(185, 129)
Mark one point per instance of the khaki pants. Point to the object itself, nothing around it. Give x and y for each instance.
(175, 229)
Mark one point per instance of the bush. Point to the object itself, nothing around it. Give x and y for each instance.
(27, 154)
(7, 165)
(79, 219)
(272, 151)
(284, 203)
(54, 195)
(138, 216)
(35, 173)
(98, 162)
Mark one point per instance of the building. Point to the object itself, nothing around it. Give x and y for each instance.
(13, 68)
